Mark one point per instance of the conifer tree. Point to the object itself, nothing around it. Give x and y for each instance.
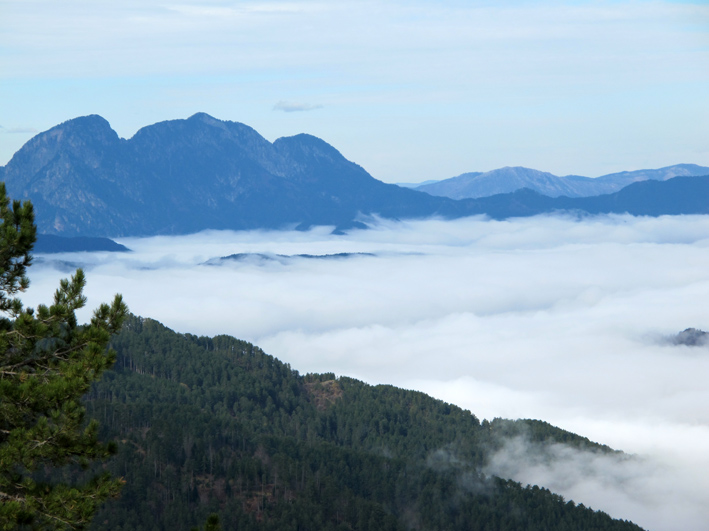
(212, 524)
(47, 362)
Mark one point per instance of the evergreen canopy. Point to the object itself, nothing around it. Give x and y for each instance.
(47, 362)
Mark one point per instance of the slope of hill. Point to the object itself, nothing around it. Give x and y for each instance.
(677, 196)
(50, 243)
(416, 185)
(510, 179)
(215, 425)
(623, 179)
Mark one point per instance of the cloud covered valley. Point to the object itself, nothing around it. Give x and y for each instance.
(549, 318)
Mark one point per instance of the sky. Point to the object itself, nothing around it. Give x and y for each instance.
(410, 90)
(547, 318)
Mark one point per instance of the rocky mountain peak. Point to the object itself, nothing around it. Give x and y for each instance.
(87, 138)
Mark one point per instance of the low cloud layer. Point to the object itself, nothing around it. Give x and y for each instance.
(649, 490)
(545, 318)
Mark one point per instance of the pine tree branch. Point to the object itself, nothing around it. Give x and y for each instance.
(10, 497)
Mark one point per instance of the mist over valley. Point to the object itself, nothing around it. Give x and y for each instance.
(547, 318)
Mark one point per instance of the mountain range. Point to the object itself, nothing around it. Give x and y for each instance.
(184, 176)
(511, 179)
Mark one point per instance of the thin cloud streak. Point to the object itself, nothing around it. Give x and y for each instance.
(292, 106)
(18, 130)
(22, 130)
(549, 318)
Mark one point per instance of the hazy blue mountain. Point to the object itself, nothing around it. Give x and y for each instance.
(510, 179)
(625, 178)
(501, 181)
(680, 195)
(51, 243)
(183, 176)
(284, 259)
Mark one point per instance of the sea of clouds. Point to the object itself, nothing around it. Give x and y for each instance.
(550, 318)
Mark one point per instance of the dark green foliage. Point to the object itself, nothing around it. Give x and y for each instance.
(17, 236)
(213, 524)
(47, 362)
(217, 426)
(538, 431)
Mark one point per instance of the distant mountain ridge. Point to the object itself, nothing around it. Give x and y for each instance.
(510, 179)
(185, 176)
(50, 243)
(283, 259)
(677, 196)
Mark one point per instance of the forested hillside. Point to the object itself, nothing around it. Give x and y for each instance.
(215, 425)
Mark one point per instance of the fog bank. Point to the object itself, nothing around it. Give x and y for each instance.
(547, 318)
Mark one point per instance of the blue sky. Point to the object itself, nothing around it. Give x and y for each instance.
(410, 90)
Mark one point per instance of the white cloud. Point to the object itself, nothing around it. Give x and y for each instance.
(19, 130)
(544, 318)
(649, 489)
(292, 106)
